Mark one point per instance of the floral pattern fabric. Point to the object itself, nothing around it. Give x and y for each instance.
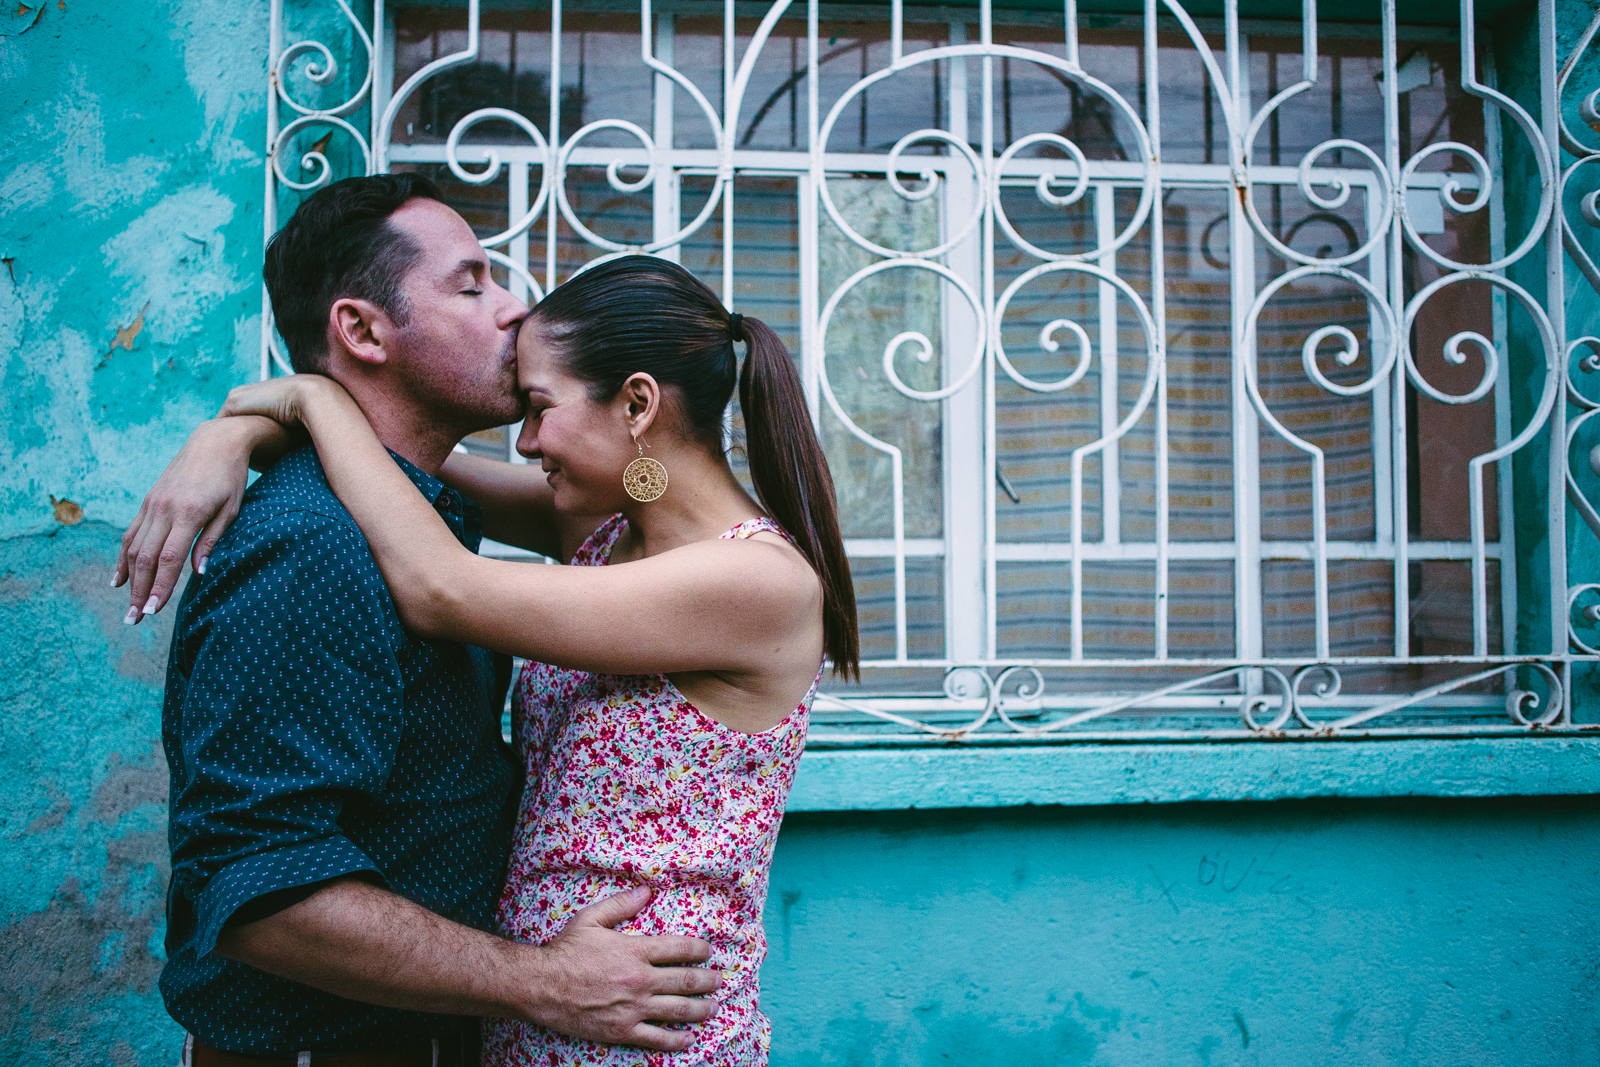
(629, 783)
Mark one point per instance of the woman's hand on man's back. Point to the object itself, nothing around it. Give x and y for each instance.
(191, 505)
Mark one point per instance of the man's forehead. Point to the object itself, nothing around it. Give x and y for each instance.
(441, 233)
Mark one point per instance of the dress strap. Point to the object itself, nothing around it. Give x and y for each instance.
(596, 549)
(760, 524)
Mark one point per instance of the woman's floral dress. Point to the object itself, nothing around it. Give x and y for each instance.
(628, 783)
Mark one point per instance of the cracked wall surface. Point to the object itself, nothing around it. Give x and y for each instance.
(82, 811)
(130, 192)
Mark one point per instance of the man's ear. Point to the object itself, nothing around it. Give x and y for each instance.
(361, 328)
(640, 397)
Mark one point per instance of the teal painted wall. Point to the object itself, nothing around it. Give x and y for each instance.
(130, 181)
(130, 186)
(82, 810)
(1298, 933)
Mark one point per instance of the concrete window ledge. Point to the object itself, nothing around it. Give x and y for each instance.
(928, 777)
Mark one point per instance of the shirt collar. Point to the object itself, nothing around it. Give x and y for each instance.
(426, 484)
(463, 516)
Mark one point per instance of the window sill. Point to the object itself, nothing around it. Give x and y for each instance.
(883, 779)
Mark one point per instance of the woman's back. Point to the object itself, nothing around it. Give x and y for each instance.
(628, 783)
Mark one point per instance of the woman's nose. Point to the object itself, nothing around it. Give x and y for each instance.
(528, 443)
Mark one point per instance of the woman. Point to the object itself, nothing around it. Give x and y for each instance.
(672, 667)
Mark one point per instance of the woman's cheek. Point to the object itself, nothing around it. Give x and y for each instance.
(591, 491)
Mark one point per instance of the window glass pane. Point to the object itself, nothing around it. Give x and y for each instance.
(1199, 375)
(868, 317)
(874, 582)
(766, 265)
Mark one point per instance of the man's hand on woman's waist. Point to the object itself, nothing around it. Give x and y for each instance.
(365, 943)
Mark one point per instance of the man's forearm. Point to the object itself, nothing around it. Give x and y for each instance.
(591, 981)
(365, 943)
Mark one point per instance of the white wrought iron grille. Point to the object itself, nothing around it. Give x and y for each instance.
(1182, 378)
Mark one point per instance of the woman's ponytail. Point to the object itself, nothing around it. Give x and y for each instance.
(791, 476)
(640, 313)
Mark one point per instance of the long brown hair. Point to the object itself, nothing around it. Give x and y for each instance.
(641, 314)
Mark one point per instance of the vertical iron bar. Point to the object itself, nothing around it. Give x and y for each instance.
(962, 414)
(1398, 428)
(810, 236)
(990, 188)
(1104, 222)
(807, 239)
(554, 137)
(729, 65)
(1504, 478)
(382, 80)
(1555, 299)
(516, 207)
(1070, 18)
(1475, 489)
(269, 202)
(1158, 302)
(1382, 400)
(1246, 431)
(666, 190)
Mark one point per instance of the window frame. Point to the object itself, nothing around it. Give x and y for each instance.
(983, 688)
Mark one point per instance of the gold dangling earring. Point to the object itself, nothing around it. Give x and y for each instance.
(644, 479)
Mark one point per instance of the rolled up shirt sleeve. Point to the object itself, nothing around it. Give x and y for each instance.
(289, 720)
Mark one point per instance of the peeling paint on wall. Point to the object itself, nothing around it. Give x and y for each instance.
(130, 186)
(84, 809)
(118, 332)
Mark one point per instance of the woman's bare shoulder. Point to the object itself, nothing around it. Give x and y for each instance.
(774, 564)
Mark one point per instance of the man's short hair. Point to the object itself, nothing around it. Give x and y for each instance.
(338, 245)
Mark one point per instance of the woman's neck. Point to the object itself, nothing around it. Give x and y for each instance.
(703, 500)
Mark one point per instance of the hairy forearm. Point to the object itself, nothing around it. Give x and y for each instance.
(365, 943)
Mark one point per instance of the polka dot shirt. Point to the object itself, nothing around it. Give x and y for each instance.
(310, 736)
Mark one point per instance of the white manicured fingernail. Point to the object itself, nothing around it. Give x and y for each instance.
(131, 617)
(200, 568)
(151, 605)
(114, 576)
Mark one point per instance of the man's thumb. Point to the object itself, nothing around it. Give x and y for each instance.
(614, 909)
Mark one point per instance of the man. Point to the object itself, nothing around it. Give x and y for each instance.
(342, 801)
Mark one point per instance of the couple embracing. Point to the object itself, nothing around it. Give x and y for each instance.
(362, 872)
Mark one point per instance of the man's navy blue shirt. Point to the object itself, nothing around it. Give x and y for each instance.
(310, 736)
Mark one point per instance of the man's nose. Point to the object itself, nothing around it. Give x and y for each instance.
(511, 310)
(512, 313)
